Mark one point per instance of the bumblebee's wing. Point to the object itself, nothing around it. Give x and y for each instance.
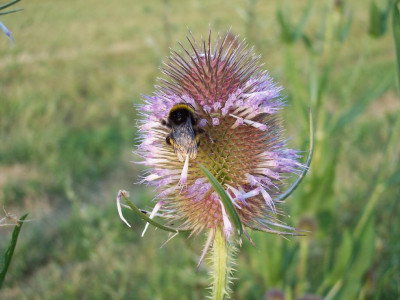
(184, 141)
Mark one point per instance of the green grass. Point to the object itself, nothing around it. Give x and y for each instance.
(67, 125)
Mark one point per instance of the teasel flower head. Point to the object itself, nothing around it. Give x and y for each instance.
(235, 105)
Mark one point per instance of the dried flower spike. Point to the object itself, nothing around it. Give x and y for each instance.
(216, 107)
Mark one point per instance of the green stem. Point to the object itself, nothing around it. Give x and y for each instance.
(6, 258)
(302, 266)
(396, 36)
(220, 265)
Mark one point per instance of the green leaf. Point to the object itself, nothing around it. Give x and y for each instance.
(387, 275)
(288, 34)
(374, 20)
(396, 36)
(363, 259)
(11, 11)
(343, 255)
(299, 93)
(361, 104)
(10, 251)
(302, 23)
(286, 31)
(308, 43)
(144, 217)
(378, 19)
(342, 261)
(299, 179)
(394, 179)
(9, 4)
(225, 199)
(344, 28)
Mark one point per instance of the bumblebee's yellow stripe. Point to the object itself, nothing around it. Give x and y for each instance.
(181, 106)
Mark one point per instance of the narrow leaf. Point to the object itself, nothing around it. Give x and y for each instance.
(308, 43)
(286, 31)
(342, 260)
(10, 251)
(396, 36)
(226, 201)
(302, 23)
(143, 216)
(295, 184)
(375, 26)
(9, 4)
(11, 11)
(344, 29)
(361, 103)
(362, 260)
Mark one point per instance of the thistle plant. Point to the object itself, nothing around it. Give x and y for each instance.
(233, 174)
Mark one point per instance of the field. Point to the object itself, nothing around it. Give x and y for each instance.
(68, 127)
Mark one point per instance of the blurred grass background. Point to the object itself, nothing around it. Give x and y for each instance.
(67, 125)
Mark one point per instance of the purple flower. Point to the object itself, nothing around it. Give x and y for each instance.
(237, 105)
(7, 32)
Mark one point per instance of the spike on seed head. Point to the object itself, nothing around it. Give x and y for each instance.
(237, 105)
(7, 32)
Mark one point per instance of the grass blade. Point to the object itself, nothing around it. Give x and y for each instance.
(362, 102)
(302, 23)
(10, 251)
(286, 31)
(9, 4)
(396, 36)
(345, 27)
(11, 11)
(291, 189)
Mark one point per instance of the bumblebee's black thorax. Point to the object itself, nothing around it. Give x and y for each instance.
(180, 113)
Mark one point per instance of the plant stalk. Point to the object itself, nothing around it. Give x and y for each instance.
(220, 266)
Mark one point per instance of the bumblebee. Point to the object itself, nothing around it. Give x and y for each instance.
(184, 137)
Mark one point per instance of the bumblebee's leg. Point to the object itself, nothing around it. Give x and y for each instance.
(202, 131)
(198, 140)
(195, 120)
(165, 123)
(168, 139)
